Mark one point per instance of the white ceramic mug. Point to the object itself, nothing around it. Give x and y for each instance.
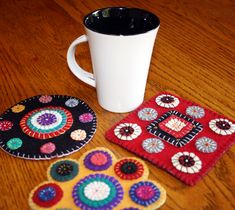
(121, 41)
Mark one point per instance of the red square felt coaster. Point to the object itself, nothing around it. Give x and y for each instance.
(177, 135)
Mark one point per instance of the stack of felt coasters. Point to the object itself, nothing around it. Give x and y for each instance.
(177, 135)
(98, 181)
(46, 126)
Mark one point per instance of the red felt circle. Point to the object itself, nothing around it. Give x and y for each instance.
(52, 202)
(130, 176)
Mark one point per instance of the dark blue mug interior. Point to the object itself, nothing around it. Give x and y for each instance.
(121, 21)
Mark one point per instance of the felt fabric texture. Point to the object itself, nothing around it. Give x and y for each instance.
(176, 135)
(46, 126)
(85, 187)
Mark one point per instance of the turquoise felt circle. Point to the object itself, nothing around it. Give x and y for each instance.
(64, 170)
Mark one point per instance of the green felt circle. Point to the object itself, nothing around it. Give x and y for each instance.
(63, 178)
(100, 203)
(14, 143)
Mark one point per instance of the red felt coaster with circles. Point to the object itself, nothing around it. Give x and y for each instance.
(175, 134)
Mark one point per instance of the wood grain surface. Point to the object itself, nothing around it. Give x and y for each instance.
(193, 56)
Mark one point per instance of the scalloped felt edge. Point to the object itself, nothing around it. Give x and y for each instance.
(67, 186)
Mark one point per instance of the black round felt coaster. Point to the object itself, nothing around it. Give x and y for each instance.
(46, 126)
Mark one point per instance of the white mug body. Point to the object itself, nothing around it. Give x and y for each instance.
(121, 42)
(121, 65)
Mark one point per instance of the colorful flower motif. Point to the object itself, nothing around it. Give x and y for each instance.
(64, 170)
(48, 148)
(175, 128)
(97, 191)
(167, 101)
(127, 131)
(78, 135)
(147, 114)
(47, 195)
(195, 111)
(144, 193)
(5, 125)
(72, 102)
(222, 126)
(46, 122)
(206, 145)
(129, 169)
(18, 108)
(186, 162)
(45, 99)
(14, 143)
(98, 160)
(153, 145)
(86, 118)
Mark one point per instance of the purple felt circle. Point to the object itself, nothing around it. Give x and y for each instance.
(88, 163)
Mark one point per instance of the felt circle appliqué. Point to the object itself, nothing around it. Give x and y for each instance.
(98, 160)
(144, 193)
(98, 191)
(63, 170)
(129, 169)
(186, 162)
(43, 127)
(90, 189)
(46, 195)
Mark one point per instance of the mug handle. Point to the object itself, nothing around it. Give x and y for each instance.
(74, 67)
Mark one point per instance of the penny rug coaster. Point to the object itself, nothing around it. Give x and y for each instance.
(175, 134)
(46, 126)
(98, 180)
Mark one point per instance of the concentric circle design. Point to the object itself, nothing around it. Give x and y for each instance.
(46, 126)
(64, 170)
(129, 169)
(222, 126)
(47, 195)
(186, 162)
(144, 193)
(98, 160)
(127, 131)
(47, 122)
(97, 191)
(167, 101)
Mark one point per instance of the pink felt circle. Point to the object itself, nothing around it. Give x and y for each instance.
(47, 148)
(145, 192)
(86, 117)
(99, 159)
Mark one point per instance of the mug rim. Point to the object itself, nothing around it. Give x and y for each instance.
(128, 8)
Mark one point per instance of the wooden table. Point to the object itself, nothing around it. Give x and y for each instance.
(193, 56)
